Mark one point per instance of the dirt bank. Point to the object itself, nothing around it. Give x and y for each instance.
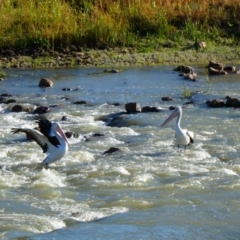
(118, 57)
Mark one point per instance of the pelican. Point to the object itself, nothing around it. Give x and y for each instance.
(183, 136)
(55, 151)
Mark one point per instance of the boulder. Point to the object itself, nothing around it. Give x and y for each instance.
(214, 71)
(215, 65)
(41, 110)
(17, 108)
(229, 69)
(199, 45)
(112, 150)
(216, 103)
(233, 102)
(45, 82)
(167, 99)
(190, 76)
(71, 135)
(150, 109)
(82, 102)
(184, 69)
(133, 107)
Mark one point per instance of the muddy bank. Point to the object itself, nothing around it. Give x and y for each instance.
(118, 57)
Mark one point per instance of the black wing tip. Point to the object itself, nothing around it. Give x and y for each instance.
(15, 130)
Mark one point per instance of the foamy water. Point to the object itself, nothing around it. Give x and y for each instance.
(151, 189)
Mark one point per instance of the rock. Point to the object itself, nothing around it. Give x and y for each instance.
(71, 134)
(17, 108)
(229, 69)
(80, 102)
(150, 109)
(133, 107)
(190, 76)
(10, 101)
(64, 118)
(167, 99)
(66, 89)
(184, 69)
(45, 82)
(214, 71)
(215, 65)
(199, 45)
(216, 103)
(41, 110)
(111, 71)
(233, 102)
(171, 108)
(6, 95)
(94, 136)
(112, 150)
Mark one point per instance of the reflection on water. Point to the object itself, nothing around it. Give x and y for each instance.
(151, 189)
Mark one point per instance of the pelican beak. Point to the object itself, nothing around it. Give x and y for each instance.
(59, 129)
(174, 114)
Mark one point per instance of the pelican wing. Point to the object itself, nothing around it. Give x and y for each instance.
(44, 124)
(191, 136)
(45, 128)
(35, 135)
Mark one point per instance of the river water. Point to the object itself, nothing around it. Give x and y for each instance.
(149, 190)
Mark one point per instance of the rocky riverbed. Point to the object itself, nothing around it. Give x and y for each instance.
(117, 57)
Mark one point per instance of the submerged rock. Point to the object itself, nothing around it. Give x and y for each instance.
(45, 82)
(112, 150)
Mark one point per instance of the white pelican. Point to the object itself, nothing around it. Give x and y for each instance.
(55, 151)
(183, 136)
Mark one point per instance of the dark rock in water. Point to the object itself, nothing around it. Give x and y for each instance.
(41, 110)
(167, 98)
(3, 100)
(233, 102)
(45, 82)
(64, 118)
(115, 104)
(80, 102)
(133, 107)
(190, 76)
(189, 102)
(184, 69)
(17, 108)
(150, 109)
(215, 65)
(66, 89)
(98, 135)
(214, 71)
(111, 71)
(229, 69)
(216, 103)
(5, 95)
(112, 150)
(10, 101)
(94, 136)
(71, 134)
(171, 108)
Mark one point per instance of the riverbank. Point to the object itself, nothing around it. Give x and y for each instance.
(116, 57)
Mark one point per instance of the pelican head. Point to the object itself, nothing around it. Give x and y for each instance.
(177, 112)
(56, 129)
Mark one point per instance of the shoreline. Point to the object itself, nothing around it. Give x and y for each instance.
(118, 57)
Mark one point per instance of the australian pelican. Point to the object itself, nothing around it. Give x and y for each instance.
(183, 136)
(54, 143)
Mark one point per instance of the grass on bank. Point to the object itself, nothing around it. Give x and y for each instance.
(144, 24)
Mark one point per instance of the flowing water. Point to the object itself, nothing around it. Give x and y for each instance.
(149, 190)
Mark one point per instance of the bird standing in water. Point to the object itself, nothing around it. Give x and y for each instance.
(183, 136)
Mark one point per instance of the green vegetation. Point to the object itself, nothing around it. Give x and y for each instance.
(143, 24)
(3, 74)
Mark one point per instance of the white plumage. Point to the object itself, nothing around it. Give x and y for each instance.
(54, 152)
(183, 136)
